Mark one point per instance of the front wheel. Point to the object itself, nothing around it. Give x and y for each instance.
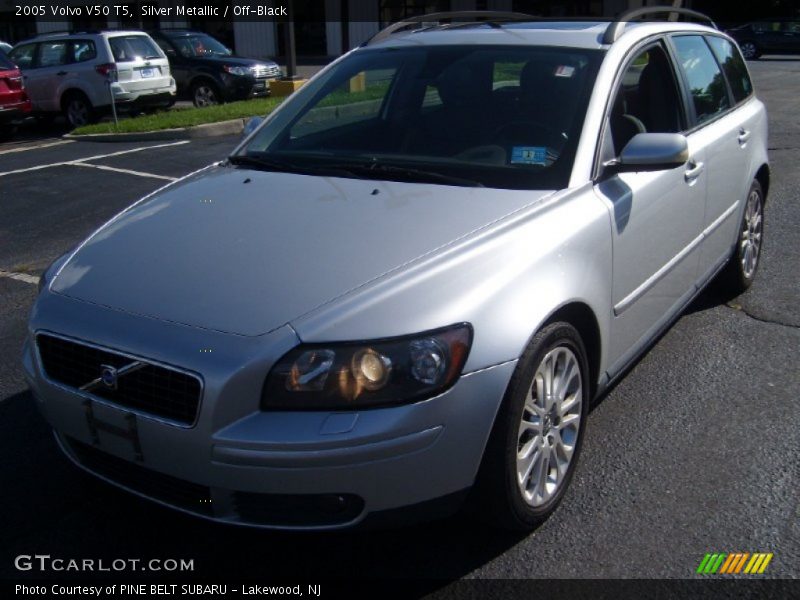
(740, 271)
(205, 94)
(538, 433)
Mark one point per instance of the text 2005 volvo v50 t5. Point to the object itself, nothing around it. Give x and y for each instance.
(411, 280)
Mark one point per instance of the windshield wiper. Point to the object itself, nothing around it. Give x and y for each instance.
(375, 169)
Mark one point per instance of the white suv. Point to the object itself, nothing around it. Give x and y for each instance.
(71, 73)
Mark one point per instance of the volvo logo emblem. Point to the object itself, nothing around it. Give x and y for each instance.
(109, 376)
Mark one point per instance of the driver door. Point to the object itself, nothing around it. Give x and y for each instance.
(656, 216)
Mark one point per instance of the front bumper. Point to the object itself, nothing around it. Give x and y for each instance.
(292, 470)
(244, 87)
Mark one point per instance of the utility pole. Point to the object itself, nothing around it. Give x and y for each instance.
(291, 55)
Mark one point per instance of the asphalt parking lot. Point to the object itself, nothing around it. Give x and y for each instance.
(697, 450)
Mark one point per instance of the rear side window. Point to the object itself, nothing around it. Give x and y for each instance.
(129, 48)
(52, 54)
(733, 64)
(23, 56)
(83, 50)
(706, 82)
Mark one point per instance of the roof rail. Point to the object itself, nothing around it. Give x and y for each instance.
(614, 30)
(490, 16)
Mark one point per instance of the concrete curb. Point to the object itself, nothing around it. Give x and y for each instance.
(231, 127)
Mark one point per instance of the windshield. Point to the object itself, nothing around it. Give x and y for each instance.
(199, 45)
(497, 116)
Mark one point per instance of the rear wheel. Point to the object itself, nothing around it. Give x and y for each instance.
(741, 269)
(205, 93)
(750, 50)
(78, 110)
(538, 434)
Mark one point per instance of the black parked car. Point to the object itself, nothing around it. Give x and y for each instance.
(209, 73)
(768, 37)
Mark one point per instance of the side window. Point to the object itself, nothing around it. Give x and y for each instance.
(358, 99)
(83, 50)
(647, 99)
(24, 56)
(706, 82)
(734, 67)
(52, 54)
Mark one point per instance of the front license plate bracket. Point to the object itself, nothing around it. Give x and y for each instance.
(130, 433)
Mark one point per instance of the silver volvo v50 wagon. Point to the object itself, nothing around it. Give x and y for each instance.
(410, 281)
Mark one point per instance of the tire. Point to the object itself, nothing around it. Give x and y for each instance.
(205, 93)
(750, 50)
(740, 272)
(506, 495)
(78, 111)
(7, 132)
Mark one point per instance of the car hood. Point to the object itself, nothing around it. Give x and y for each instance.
(233, 61)
(245, 252)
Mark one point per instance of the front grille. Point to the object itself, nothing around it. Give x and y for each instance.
(170, 490)
(150, 389)
(297, 510)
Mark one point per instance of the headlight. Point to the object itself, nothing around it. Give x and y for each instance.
(355, 375)
(237, 70)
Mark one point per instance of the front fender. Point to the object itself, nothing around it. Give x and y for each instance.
(506, 280)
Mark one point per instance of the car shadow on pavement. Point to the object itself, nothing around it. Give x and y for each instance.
(52, 507)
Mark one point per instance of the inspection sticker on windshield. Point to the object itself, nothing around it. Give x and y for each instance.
(564, 71)
(529, 155)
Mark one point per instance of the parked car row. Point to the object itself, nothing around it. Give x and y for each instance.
(79, 74)
(774, 36)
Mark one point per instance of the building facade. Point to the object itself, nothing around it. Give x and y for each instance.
(327, 28)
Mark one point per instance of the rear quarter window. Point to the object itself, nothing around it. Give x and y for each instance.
(83, 50)
(734, 67)
(130, 48)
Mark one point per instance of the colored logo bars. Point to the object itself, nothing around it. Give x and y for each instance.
(732, 564)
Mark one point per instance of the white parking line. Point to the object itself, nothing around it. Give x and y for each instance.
(88, 158)
(37, 146)
(118, 170)
(24, 277)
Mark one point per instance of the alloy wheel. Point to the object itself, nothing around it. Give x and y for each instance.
(550, 426)
(751, 234)
(204, 95)
(749, 50)
(78, 112)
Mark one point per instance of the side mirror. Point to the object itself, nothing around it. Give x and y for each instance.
(251, 125)
(653, 152)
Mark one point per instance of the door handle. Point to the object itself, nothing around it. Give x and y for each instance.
(61, 73)
(744, 135)
(694, 171)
